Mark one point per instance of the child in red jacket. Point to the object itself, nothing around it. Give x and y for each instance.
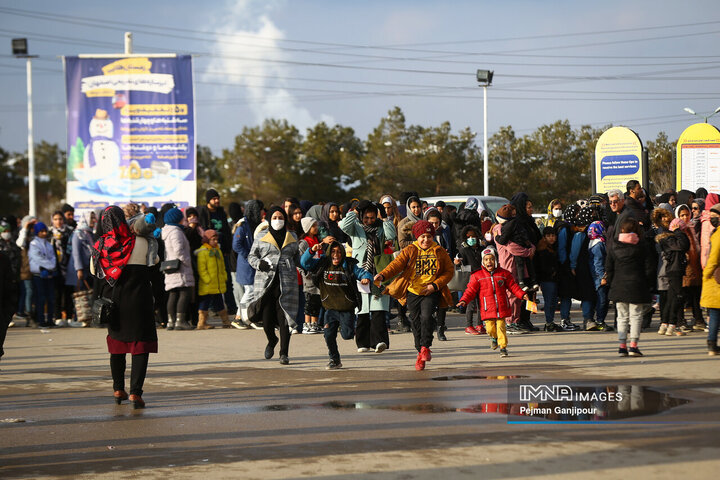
(490, 285)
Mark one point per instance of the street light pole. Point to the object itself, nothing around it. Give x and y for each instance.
(692, 112)
(484, 78)
(31, 150)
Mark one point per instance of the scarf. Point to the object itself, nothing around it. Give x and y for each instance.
(373, 247)
(596, 231)
(278, 235)
(409, 212)
(112, 250)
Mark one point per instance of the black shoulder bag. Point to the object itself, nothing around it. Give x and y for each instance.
(105, 310)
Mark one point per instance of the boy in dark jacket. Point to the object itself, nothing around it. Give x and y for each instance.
(336, 276)
(547, 268)
(490, 286)
(470, 253)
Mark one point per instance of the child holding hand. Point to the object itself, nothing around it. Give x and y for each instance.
(490, 286)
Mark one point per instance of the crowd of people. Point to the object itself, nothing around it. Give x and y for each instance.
(298, 268)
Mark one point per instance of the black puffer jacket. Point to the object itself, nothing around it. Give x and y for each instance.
(519, 201)
(630, 271)
(674, 246)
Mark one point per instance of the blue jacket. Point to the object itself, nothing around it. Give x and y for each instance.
(577, 241)
(241, 244)
(597, 254)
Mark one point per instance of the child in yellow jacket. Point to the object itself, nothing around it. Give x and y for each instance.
(212, 281)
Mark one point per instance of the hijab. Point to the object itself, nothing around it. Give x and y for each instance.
(112, 250)
(278, 235)
(410, 214)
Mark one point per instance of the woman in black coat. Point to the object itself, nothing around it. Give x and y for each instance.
(630, 270)
(121, 263)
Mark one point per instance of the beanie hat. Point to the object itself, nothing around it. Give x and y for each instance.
(210, 194)
(173, 216)
(208, 235)
(490, 251)
(190, 211)
(39, 227)
(506, 212)
(421, 227)
(307, 224)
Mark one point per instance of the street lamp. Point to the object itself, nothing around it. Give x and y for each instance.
(692, 112)
(484, 78)
(20, 50)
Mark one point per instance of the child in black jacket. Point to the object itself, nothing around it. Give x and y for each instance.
(336, 276)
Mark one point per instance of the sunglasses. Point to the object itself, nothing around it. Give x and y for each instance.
(695, 208)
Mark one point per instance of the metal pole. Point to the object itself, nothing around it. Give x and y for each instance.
(486, 182)
(31, 151)
(128, 43)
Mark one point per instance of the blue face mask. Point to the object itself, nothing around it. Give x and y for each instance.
(472, 241)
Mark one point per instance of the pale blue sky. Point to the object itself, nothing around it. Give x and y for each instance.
(350, 62)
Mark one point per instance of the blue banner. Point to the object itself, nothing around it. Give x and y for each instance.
(131, 130)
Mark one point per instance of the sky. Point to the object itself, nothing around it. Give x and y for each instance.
(632, 63)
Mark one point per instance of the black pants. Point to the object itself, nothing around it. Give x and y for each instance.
(178, 301)
(138, 370)
(371, 330)
(441, 315)
(273, 316)
(420, 310)
(673, 300)
(692, 297)
(334, 320)
(521, 264)
(471, 308)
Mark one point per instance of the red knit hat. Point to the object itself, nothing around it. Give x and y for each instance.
(423, 226)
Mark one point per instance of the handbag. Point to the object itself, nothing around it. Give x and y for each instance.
(82, 303)
(170, 266)
(105, 310)
(461, 278)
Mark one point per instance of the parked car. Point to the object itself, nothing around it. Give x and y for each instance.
(490, 203)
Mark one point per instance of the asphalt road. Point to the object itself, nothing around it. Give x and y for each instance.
(217, 409)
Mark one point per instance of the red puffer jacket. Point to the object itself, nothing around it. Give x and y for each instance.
(491, 290)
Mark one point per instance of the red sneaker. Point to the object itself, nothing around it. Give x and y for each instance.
(481, 329)
(471, 331)
(425, 353)
(419, 363)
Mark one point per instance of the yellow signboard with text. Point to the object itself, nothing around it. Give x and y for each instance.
(698, 158)
(618, 159)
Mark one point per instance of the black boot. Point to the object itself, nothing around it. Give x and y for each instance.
(712, 348)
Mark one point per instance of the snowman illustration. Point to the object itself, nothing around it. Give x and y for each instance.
(102, 154)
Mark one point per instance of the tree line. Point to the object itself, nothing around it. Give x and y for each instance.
(274, 160)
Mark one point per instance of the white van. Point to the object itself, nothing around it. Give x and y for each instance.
(491, 204)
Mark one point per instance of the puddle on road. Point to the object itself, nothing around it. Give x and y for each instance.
(637, 401)
(478, 377)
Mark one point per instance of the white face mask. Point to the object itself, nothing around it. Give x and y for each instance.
(557, 213)
(277, 224)
(6, 235)
(488, 237)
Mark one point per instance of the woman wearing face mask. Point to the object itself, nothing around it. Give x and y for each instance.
(275, 297)
(554, 212)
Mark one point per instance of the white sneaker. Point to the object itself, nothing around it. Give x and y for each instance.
(237, 323)
(11, 324)
(663, 328)
(380, 347)
(306, 329)
(670, 331)
(363, 349)
(61, 323)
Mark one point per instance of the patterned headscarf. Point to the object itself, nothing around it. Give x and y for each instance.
(584, 217)
(112, 250)
(596, 231)
(570, 213)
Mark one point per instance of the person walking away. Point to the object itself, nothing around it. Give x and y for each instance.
(548, 268)
(630, 271)
(120, 263)
(674, 247)
(179, 283)
(336, 276)
(368, 234)
(275, 297)
(44, 269)
(212, 283)
(424, 269)
(490, 286)
(710, 298)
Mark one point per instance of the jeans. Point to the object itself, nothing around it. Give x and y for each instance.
(549, 291)
(588, 309)
(26, 297)
(335, 319)
(565, 304)
(212, 302)
(602, 304)
(713, 325)
(44, 294)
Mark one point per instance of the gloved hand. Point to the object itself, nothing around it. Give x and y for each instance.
(264, 265)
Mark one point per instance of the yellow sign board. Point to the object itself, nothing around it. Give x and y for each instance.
(618, 159)
(698, 158)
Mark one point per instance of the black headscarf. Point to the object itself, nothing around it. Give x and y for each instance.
(253, 213)
(332, 227)
(278, 235)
